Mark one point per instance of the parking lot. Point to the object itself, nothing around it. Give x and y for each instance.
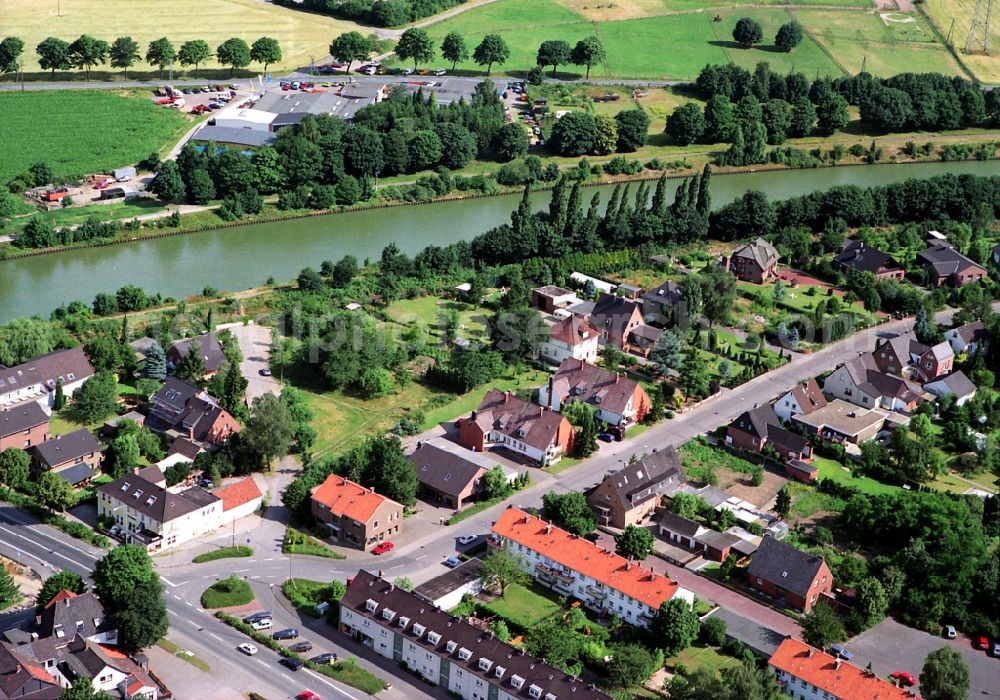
(202, 99)
(890, 646)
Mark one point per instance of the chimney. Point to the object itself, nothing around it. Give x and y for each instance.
(617, 377)
(809, 653)
(552, 398)
(837, 666)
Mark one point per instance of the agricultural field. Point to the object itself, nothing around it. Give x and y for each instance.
(302, 35)
(808, 57)
(81, 132)
(942, 12)
(884, 46)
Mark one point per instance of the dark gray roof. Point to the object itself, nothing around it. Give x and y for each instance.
(649, 477)
(855, 255)
(451, 580)
(482, 645)
(21, 418)
(668, 294)
(945, 260)
(443, 470)
(682, 526)
(23, 678)
(153, 500)
(610, 307)
(718, 540)
(756, 421)
(762, 640)
(238, 136)
(760, 251)
(786, 439)
(208, 346)
(956, 382)
(785, 566)
(66, 448)
(175, 393)
(76, 474)
(64, 614)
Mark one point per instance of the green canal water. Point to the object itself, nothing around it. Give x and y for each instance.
(238, 258)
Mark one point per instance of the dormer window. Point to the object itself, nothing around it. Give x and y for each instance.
(550, 696)
(404, 621)
(125, 487)
(485, 664)
(499, 671)
(388, 614)
(450, 647)
(433, 637)
(464, 654)
(137, 495)
(535, 692)
(371, 605)
(60, 632)
(418, 630)
(151, 500)
(516, 681)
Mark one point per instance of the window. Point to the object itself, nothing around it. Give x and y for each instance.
(499, 671)
(450, 647)
(404, 621)
(371, 605)
(433, 637)
(534, 691)
(375, 524)
(418, 629)
(464, 654)
(516, 681)
(485, 664)
(388, 614)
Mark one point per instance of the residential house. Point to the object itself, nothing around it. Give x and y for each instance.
(617, 400)
(894, 355)
(615, 318)
(755, 262)
(844, 422)
(759, 427)
(631, 494)
(23, 426)
(642, 339)
(353, 514)
(606, 582)
(109, 670)
(710, 544)
(551, 298)
(70, 614)
(447, 589)
(807, 673)
(955, 384)
(805, 397)
(571, 337)
(861, 382)
(445, 475)
(21, 677)
(943, 264)
(181, 450)
(448, 651)
(857, 256)
(789, 575)
(937, 361)
(240, 498)
(207, 345)
(968, 338)
(38, 378)
(180, 409)
(541, 435)
(148, 514)
(660, 303)
(75, 456)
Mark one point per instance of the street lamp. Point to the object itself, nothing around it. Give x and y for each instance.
(273, 604)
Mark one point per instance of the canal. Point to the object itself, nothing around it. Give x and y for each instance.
(238, 258)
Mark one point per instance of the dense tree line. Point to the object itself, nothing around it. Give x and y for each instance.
(87, 52)
(750, 110)
(379, 13)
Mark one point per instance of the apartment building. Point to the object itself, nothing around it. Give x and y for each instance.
(807, 673)
(605, 582)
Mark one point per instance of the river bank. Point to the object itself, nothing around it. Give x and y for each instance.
(204, 218)
(241, 257)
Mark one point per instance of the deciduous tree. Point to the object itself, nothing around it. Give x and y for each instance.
(192, 53)
(416, 44)
(453, 49)
(554, 52)
(124, 53)
(265, 50)
(53, 54)
(789, 36)
(61, 580)
(54, 492)
(945, 675)
(501, 569)
(270, 428)
(686, 124)
(233, 52)
(588, 52)
(87, 52)
(14, 467)
(141, 618)
(570, 511)
(97, 398)
(634, 542)
(492, 49)
(747, 32)
(821, 627)
(633, 129)
(350, 47)
(11, 49)
(675, 626)
(161, 53)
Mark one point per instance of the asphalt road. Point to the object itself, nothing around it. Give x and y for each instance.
(255, 346)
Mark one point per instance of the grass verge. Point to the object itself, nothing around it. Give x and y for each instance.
(296, 542)
(224, 553)
(184, 655)
(227, 593)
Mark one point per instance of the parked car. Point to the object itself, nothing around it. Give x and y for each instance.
(291, 664)
(383, 547)
(265, 623)
(327, 658)
(466, 539)
(949, 632)
(301, 647)
(838, 650)
(406, 71)
(289, 633)
(606, 437)
(982, 643)
(266, 372)
(440, 71)
(996, 649)
(613, 429)
(263, 614)
(307, 695)
(903, 679)
(452, 562)
(247, 648)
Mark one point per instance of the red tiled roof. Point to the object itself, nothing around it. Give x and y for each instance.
(59, 597)
(838, 678)
(573, 331)
(344, 497)
(585, 557)
(239, 493)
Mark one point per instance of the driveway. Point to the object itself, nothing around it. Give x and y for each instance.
(255, 344)
(890, 646)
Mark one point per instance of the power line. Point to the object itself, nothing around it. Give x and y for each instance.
(979, 31)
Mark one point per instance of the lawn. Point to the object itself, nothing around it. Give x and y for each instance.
(104, 212)
(952, 484)
(302, 35)
(685, 41)
(696, 455)
(698, 656)
(807, 501)
(81, 132)
(523, 606)
(464, 404)
(884, 48)
(942, 12)
(427, 312)
(831, 469)
(808, 57)
(224, 553)
(296, 542)
(226, 593)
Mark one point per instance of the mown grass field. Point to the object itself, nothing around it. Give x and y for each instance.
(302, 35)
(942, 12)
(808, 57)
(81, 132)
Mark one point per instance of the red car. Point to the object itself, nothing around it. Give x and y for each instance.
(904, 679)
(307, 695)
(103, 185)
(382, 547)
(982, 643)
